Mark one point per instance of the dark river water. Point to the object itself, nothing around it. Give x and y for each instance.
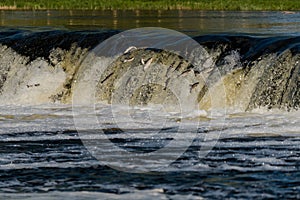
(189, 22)
(218, 153)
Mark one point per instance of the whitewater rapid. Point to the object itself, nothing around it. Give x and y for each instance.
(42, 151)
(243, 72)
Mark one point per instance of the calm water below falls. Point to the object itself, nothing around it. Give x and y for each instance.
(138, 135)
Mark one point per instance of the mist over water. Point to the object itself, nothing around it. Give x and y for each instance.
(242, 145)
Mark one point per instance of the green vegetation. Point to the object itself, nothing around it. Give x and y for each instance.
(152, 4)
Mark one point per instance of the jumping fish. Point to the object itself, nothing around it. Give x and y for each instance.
(148, 63)
(128, 60)
(194, 85)
(166, 84)
(33, 85)
(170, 68)
(129, 49)
(107, 77)
(128, 80)
(178, 66)
(185, 72)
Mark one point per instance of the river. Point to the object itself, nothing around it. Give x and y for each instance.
(217, 118)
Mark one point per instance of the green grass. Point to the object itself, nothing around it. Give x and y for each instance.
(153, 5)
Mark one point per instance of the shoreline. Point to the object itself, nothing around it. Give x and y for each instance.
(11, 8)
(199, 5)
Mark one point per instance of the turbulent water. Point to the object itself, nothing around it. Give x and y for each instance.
(225, 114)
(42, 156)
(43, 67)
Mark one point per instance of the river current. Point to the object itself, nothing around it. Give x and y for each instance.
(56, 143)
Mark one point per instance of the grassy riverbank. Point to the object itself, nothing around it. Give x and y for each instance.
(152, 4)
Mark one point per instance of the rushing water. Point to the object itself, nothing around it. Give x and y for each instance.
(245, 146)
(42, 156)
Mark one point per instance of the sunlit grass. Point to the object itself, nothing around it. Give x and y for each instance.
(153, 5)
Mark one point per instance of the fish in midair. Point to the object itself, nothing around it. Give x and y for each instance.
(128, 60)
(185, 72)
(129, 49)
(166, 84)
(148, 63)
(192, 86)
(107, 77)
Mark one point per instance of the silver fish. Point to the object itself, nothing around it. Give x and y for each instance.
(129, 49)
(148, 63)
(128, 60)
